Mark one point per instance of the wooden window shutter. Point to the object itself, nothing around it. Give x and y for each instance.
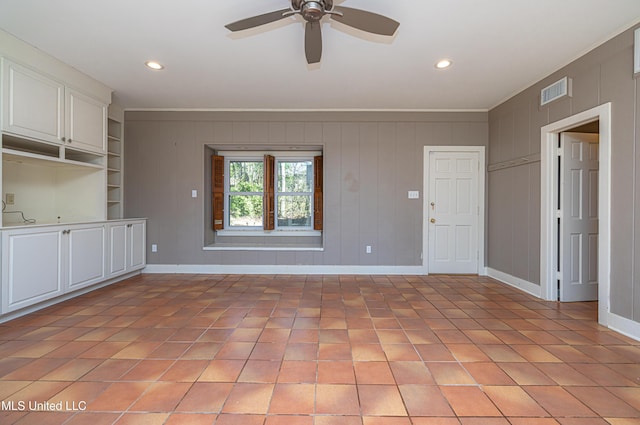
(217, 191)
(269, 222)
(317, 193)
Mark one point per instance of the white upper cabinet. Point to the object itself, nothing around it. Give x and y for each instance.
(86, 122)
(33, 104)
(41, 108)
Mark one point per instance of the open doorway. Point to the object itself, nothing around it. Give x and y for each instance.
(563, 250)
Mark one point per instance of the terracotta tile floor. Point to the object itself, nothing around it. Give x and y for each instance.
(316, 350)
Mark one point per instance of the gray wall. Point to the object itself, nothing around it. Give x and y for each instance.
(371, 160)
(603, 75)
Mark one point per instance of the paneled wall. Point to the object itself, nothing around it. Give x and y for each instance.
(603, 75)
(371, 160)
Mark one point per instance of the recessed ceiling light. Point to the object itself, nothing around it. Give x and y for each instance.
(443, 64)
(154, 65)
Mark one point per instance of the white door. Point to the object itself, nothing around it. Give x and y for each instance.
(578, 212)
(453, 212)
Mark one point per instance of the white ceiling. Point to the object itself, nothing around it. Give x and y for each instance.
(498, 47)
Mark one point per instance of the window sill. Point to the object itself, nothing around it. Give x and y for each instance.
(238, 247)
(263, 233)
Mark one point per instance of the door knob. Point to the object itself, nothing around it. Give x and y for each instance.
(433, 220)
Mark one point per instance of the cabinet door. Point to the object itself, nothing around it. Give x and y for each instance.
(137, 249)
(118, 249)
(86, 122)
(86, 262)
(31, 267)
(33, 105)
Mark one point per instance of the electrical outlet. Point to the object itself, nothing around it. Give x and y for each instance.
(154, 247)
(10, 198)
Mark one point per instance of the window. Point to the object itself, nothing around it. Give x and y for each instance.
(272, 192)
(294, 193)
(245, 193)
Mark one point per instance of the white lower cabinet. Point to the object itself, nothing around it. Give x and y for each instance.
(126, 247)
(32, 262)
(86, 256)
(42, 263)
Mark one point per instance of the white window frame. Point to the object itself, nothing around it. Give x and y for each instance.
(250, 156)
(277, 193)
(227, 191)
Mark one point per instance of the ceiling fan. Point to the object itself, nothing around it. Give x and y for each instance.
(313, 11)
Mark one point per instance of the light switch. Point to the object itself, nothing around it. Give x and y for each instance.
(194, 193)
(414, 194)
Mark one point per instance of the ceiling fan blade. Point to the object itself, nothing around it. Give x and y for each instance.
(366, 21)
(313, 42)
(256, 21)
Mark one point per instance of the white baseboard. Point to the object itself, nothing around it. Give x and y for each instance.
(617, 323)
(624, 326)
(282, 269)
(614, 322)
(516, 282)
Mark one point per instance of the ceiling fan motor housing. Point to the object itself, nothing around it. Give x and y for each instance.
(312, 10)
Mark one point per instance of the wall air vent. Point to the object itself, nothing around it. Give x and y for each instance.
(555, 91)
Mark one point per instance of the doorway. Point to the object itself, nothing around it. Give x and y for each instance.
(551, 245)
(453, 209)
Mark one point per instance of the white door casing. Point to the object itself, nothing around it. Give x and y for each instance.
(578, 214)
(453, 219)
(548, 220)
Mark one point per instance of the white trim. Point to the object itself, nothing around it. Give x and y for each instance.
(480, 150)
(282, 269)
(636, 53)
(302, 110)
(549, 290)
(231, 247)
(262, 233)
(624, 326)
(516, 282)
(253, 153)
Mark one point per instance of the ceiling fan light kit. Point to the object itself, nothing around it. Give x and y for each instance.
(312, 11)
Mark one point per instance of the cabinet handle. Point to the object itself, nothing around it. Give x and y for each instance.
(64, 139)
(70, 140)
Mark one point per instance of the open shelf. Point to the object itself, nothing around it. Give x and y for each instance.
(30, 147)
(114, 164)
